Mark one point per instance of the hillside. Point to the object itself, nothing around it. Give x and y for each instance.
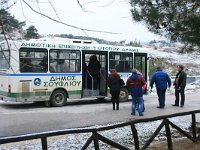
(169, 58)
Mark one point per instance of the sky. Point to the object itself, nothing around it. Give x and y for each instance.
(103, 15)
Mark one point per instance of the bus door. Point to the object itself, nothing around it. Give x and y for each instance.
(140, 63)
(95, 72)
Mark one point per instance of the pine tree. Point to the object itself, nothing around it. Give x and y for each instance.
(8, 23)
(178, 20)
(31, 33)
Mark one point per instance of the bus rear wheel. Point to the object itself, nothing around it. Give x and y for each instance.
(123, 96)
(58, 98)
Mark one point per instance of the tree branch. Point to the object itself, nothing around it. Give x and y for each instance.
(72, 26)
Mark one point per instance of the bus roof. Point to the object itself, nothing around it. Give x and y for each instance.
(66, 40)
(66, 44)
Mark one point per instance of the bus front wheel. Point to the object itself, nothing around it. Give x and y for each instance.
(123, 96)
(58, 98)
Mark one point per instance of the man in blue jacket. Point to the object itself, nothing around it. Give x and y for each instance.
(161, 79)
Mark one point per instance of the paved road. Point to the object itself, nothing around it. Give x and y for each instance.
(16, 119)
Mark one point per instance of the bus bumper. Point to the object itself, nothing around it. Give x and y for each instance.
(8, 99)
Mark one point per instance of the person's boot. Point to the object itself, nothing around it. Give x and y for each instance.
(117, 106)
(113, 106)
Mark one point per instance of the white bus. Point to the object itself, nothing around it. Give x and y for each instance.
(29, 72)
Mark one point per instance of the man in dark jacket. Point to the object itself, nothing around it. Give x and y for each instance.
(161, 79)
(180, 83)
(135, 82)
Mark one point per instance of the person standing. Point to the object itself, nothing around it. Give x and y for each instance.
(161, 80)
(94, 67)
(179, 84)
(135, 82)
(115, 83)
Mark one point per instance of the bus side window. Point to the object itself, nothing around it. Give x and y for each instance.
(51, 68)
(127, 66)
(120, 66)
(63, 61)
(121, 61)
(112, 61)
(33, 60)
(43, 64)
(25, 65)
(61, 66)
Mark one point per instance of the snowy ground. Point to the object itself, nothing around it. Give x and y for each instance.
(172, 55)
(171, 59)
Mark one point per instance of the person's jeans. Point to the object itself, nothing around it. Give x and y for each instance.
(161, 97)
(140, 104)
(182, 92)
